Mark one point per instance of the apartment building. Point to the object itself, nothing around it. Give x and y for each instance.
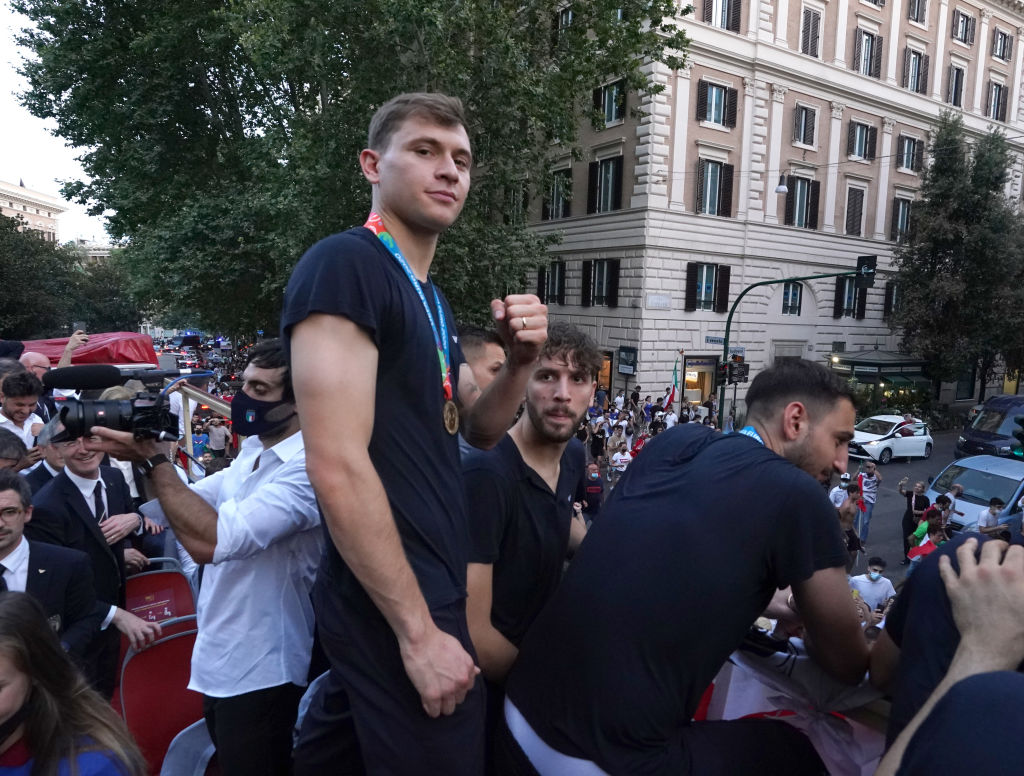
(792, 142)
(37, 210)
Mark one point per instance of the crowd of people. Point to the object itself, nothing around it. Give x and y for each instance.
(492, 566)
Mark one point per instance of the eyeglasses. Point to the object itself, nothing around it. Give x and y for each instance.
(10, 513)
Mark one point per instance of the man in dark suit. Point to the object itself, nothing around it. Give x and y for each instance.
(59, 578)
(48, 468)
(88, 507)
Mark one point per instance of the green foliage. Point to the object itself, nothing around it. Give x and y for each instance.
(961, 272)
(224, 134)
(101, 298)
(36, 277)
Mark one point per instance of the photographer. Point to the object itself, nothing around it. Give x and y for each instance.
(256, 526)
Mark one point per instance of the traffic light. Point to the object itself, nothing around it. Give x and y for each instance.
(866, 266)
(722, 374)
(738, 371)
(1017, 447)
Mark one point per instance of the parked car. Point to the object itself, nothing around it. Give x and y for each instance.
(884, 437)
(983, 478)
(991, 431)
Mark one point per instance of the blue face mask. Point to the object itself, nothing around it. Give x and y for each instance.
(595, 476)
(874, 575)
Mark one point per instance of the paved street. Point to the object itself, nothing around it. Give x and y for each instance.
(885, 536)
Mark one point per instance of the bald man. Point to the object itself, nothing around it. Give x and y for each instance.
(39, 365)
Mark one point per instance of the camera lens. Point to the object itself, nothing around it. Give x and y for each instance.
(79, 416)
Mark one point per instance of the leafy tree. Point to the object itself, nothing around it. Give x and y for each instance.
(36, 284)
(101, 296)
(961, 272)
(224, 134)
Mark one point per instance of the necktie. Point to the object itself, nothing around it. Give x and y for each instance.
(3, 582)
(98, 508)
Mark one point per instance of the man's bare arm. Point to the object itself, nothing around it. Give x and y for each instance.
(334, 364)
(496, 653)
(193, 520)
(75, 341)
(834, 635)
(488, 415)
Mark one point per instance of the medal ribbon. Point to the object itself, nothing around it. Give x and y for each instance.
(751, 432)
(376, 225)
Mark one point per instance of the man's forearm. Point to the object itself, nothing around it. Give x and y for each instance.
(364, 533)
(493, 412)
(193, 520)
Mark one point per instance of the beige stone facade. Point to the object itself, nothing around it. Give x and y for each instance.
(38, 211)
(835, 96)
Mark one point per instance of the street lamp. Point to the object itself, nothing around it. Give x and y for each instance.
(782, 188)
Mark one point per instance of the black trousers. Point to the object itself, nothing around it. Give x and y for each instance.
(909, 525)
(742, 746)
(367, 716)
(101, 661)
(253, 731)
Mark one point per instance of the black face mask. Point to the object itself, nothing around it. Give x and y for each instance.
(252, 417)
(14, 720)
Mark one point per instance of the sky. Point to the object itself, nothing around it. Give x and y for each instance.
(28, 149)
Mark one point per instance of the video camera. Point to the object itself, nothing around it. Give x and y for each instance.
(147, 416)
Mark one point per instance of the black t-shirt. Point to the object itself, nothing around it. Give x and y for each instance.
(353, 275)
(692, 543)
(521, 528)
(921, 624)
(593, 495)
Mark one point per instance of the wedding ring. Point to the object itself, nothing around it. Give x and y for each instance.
(524, 321)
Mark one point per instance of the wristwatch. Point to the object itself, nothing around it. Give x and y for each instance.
(152, 462)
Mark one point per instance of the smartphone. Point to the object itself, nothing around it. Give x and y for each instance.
(77, 326)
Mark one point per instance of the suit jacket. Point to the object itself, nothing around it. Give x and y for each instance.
(38, 477)
(61, 516)
(61, 580)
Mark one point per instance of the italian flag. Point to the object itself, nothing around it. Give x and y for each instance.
(675, 385)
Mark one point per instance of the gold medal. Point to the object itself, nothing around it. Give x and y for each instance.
(451, 417)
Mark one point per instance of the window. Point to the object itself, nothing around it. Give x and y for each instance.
(963, 28)
(850, 301)
(861, 140)
(600, 283)
(791, 295)
(809, 38)
(917, 11)
(965, 385)
(1002, 45)
(915, 70)
(716, 104)
(604, 190)
(900, 219)
(559, 195)
(714, 188)
(892, 299)
(562, 21)
(995, 103)
(723, 13)
(867, 53)
(854, 211)
(707, 287)
(909, 153)
(802, 202)
(551, 283)
(803, 124)
(955, 90)
(610, 101)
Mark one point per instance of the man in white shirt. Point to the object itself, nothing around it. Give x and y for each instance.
(988, 518)
(955, 491)
(838, 494)
(257, 527)
(873, 588)
(18, 396)
(670, 419)
(620, 461)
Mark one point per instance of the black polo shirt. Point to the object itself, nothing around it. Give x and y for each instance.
(520, 527)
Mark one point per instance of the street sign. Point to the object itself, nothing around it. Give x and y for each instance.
(627, 361)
